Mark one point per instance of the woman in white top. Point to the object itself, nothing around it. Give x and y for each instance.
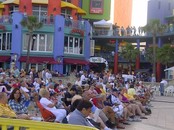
(47, 104)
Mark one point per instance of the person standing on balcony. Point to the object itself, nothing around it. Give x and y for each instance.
(122, 31)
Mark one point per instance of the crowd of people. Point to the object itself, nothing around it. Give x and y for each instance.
(101, 100)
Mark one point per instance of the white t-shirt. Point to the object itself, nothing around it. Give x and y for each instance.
(45, 102)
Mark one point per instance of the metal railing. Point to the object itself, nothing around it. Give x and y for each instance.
(79, 24)
(110, 57)
(6, 19)
(17, 124)
(120, 32)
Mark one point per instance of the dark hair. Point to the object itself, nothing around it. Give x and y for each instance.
(12, 94)
(73, 89)
(131, 86)
(84, 104)
(74, 105)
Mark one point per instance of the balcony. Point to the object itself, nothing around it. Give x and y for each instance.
(6, 19)
(127, 32)
(110, 57)
(77, 24)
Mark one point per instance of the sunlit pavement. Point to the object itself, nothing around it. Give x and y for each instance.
(162, 117)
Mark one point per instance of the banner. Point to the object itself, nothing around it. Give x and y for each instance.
(96, 6)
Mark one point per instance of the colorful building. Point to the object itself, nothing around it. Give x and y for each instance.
(97, 9)
(123, 12)
(62, 44)
(160, 9)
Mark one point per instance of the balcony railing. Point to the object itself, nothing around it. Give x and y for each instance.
(6, 19)
(79, 24)
(46, 20)
(120, 32)
(110, 57)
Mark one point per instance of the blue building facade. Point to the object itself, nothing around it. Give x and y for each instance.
(160, 9)
(57, 46)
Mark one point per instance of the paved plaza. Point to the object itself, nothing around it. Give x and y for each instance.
(162, 117)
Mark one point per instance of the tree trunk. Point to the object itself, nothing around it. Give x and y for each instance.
(130, 68)
(28, 52)
(154, 54)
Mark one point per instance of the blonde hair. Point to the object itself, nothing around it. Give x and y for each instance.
(43, 92)
(75, 98)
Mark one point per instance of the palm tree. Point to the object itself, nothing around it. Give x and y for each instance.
(129, 53)
(32, 24)
(149, 54)
(165, 54)
(154, 28)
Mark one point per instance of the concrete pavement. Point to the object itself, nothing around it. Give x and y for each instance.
(162, 117)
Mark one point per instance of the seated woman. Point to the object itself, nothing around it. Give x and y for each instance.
(51, 106)
(16, 101)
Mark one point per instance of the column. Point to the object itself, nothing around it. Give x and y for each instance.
(138, 56)
(58, 45)
(87, 44)
(116, 57)
(158, 65)
(54, 7)
(25, 6)
(16, 47)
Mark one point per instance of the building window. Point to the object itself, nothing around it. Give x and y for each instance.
(13, 8)
(39, 42)
(73, 45)
(5, 41)
(159, 4)
(40, 11)
(67, 1)
(66, 13)
(92, 42)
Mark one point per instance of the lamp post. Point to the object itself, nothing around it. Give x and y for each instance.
(13, 61)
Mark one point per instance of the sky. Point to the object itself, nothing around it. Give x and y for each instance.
(139, 13)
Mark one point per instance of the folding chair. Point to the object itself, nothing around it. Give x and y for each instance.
(46, 114)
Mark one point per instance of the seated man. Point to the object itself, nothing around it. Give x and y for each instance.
(78, 116)
(82, 115)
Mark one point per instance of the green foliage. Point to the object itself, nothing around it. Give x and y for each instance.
(165, 54)
(149, 54)
(31, 23)
(154, 27)
(129, 52)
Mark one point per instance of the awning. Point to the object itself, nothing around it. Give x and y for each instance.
(75, 61)
(11, 2)
(1, 6)
(171, 68)
(5, 58)
(67, 5)
(40, 1)
(63, 4)
(81, 11)
(32, 59)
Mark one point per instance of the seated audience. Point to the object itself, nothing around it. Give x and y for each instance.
(51, 106)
